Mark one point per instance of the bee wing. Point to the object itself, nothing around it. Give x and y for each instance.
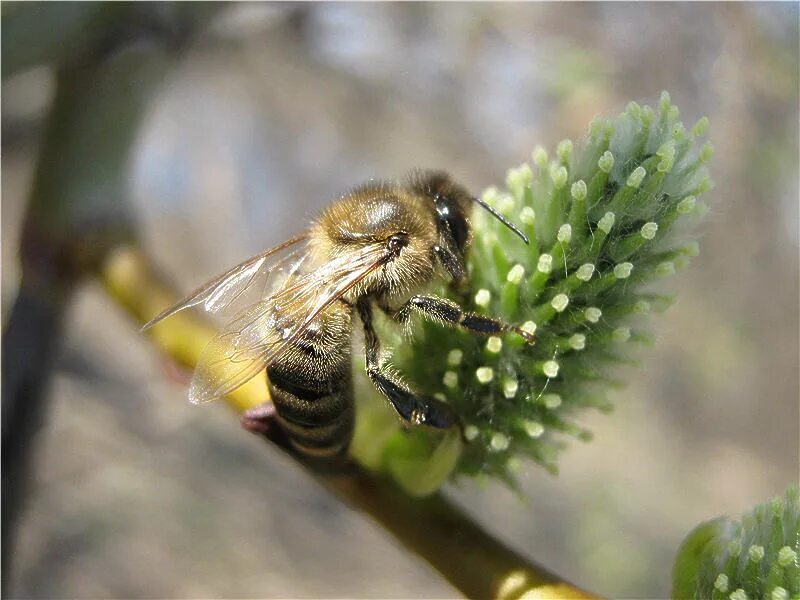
(221, 292)
(266, 329)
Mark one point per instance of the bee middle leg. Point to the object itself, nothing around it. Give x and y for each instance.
(450, 313)
(412, 407)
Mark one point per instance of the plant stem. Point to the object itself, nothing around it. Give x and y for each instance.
(474, 562)
(76, 213)
(30, 344)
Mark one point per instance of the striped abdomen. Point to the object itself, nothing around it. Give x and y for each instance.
(311, 388)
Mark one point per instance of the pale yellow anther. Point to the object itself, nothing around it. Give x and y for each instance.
(454, 357)
(559, 302)
(510, 387)
(494, 344)
(649, 230)
(623, 270)
(551, 401)
(450, 379)
(779, 593)
(527, 215)
(621, 334)
(499, 442)
(665, 268)
(539, 156)
(534, 429)
(564, 233)
(515, 274)
(593, 314)
(606, 222)
(490, 195)
(550, 368)
(484, 374)
(506, 203)
(585, 272)
(577, 341)
(483, 297)
(545, 264)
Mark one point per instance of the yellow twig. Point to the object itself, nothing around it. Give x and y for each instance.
(132, 283)
(468, 557)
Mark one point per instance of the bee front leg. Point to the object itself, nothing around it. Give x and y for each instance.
(412, 408)
(450, 313)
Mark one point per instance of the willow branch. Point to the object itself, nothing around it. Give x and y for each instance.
(473, 561)
(75, 212)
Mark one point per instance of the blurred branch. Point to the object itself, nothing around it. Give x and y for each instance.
(30, 342)
(468, 557)
(37, 33)
(68, 34)
(109, 57)
(75, 214)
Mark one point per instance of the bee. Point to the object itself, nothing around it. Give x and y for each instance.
(379, 246)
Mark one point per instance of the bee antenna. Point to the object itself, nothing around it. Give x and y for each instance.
(502, 219)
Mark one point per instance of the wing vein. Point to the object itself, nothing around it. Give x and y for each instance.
(260, 333)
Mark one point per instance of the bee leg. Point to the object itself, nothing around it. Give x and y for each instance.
(259, 419)
(412, 408)
(262, 420)
(450, 313)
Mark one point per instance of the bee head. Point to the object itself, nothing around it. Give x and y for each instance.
(452, 204)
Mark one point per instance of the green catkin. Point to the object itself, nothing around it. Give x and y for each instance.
(606, 217)
(756, 557)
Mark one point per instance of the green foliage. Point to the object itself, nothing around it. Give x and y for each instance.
(756, 557)
(606, 219)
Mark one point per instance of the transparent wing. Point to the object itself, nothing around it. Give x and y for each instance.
(221, 292)
(266, 329)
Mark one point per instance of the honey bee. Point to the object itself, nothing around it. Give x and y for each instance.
(378, 246)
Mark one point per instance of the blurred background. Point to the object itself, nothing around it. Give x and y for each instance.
(257, 117)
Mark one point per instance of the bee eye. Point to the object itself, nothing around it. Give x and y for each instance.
(458, 227)
(397, 242)
(453, 219)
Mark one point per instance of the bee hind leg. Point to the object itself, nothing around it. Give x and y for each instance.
(412, 408)
(262, 420)
(259, 418)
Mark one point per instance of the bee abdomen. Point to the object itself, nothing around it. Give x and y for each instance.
(317, 415)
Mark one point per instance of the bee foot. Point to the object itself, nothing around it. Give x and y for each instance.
(526, 335)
